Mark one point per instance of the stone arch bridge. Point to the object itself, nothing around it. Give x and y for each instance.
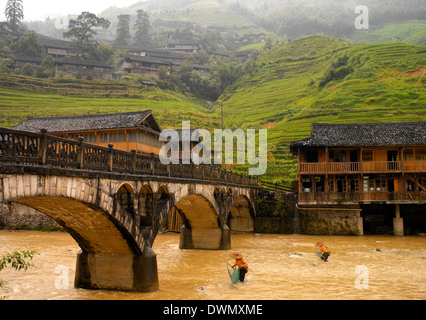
(113, 203)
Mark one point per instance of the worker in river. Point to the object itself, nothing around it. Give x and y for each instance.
(323, 251)
(241, 263)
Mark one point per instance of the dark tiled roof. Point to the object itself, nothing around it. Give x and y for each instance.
(67, 61)
(28, 59)
(158, 60)
(54, 42)
(364, 134)
(86, 123)
(147, 59)
(78, 62)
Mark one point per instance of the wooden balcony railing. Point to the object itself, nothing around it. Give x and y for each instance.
(362, 196)
(362, 167)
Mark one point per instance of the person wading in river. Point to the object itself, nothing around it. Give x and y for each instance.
(241, 263)
(323, 251)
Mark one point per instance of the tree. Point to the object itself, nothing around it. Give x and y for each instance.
(28, 46)
(14, 13)
(27, 70)
(5, 65)
(17, 261)
(123, 30)
(47, 68)
(82, 29)
(142, 27)
(102, 53)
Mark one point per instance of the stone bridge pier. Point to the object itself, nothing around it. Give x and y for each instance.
(115, 218)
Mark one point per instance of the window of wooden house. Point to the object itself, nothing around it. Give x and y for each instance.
(132, 136)
(371, 185)
(365, 183)
(381, 183)
(319, 184)
(331, 185)
(409, 185)
(311, 156)
(337, 155)
(341, 184)
(103, 137)
(112, 137)
(408, 155)
(353, 183)
(307, 185)
(375, 183)
(421, 155)
(367, 155)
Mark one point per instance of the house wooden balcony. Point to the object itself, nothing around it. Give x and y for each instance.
(360, 197)
(362, 167)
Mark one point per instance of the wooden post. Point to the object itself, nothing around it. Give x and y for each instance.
(43, 146)
(80, 152)
(133, 161)
(152, 164)
(110, 160)
(299, 176)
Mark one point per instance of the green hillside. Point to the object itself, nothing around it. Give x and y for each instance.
(312, 79)
(413, 32)
(27, 97)
(387, 83)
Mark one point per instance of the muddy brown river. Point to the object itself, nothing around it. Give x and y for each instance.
(282, 267)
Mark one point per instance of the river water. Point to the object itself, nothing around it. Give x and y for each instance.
(281, 267)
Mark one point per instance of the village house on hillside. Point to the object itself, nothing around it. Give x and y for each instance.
(56, 47)
(150, 66)
(67, 67)
(375, 170)
(153, 52)
(137, 131)
(184, 46)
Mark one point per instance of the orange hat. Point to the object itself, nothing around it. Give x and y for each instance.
(236, 255)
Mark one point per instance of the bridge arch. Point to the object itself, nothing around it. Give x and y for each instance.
(125, 199)
(145, 205)
(94, 212)
(241, 214)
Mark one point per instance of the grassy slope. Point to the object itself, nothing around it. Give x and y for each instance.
(409, 32)
(388, 84)
(23, 97)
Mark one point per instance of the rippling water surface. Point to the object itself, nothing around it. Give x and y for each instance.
(281, 267)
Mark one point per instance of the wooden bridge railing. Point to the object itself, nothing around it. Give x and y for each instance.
(29, 148)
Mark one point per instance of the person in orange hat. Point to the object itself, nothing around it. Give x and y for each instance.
(323, 251)
(241, 263)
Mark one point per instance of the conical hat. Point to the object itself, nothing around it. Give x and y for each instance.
(236, 255)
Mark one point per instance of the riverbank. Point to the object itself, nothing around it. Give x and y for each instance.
(282, 267)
